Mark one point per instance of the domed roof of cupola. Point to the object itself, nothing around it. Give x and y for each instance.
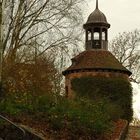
(97, 16)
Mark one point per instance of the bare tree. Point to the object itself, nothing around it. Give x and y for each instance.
(50, 22)
(126, 48)
(35, 29)
(35, 79)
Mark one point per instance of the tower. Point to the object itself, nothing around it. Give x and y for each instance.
(96, 60)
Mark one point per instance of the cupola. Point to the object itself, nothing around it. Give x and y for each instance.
(96, 29)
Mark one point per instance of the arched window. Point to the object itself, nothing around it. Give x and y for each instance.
(96, 35)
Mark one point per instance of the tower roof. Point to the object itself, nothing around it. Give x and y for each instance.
(97, 16)
(96, 60)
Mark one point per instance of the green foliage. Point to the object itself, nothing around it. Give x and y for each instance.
(116, 90)
(2, 122)
(17, 103)
(79, 116)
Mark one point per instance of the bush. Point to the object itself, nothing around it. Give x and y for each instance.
(79, 117)
(17, 103)
(117, 91)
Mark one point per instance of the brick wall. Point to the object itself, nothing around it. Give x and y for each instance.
(107, 74)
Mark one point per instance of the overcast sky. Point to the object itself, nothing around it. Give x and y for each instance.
(123, 15)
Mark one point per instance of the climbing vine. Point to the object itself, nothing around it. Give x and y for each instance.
(116, 90)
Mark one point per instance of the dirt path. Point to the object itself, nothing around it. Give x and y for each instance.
(133, 133)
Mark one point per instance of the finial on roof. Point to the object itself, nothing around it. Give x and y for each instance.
(96, 4)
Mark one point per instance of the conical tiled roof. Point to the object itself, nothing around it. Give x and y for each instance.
(96, 60)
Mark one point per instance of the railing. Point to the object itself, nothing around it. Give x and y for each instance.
(13, 124)
(96, 44)
(124, 131)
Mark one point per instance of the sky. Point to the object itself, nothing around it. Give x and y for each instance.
(123, 15)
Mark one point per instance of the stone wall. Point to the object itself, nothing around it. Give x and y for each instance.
(10, 132)
(107, 74)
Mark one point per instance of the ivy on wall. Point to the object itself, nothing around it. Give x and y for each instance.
(116, 90)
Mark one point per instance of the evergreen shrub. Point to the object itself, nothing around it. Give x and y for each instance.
(79, 117)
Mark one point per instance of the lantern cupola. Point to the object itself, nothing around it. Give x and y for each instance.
(96, 29)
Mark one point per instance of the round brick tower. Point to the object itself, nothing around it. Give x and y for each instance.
(96, 60)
